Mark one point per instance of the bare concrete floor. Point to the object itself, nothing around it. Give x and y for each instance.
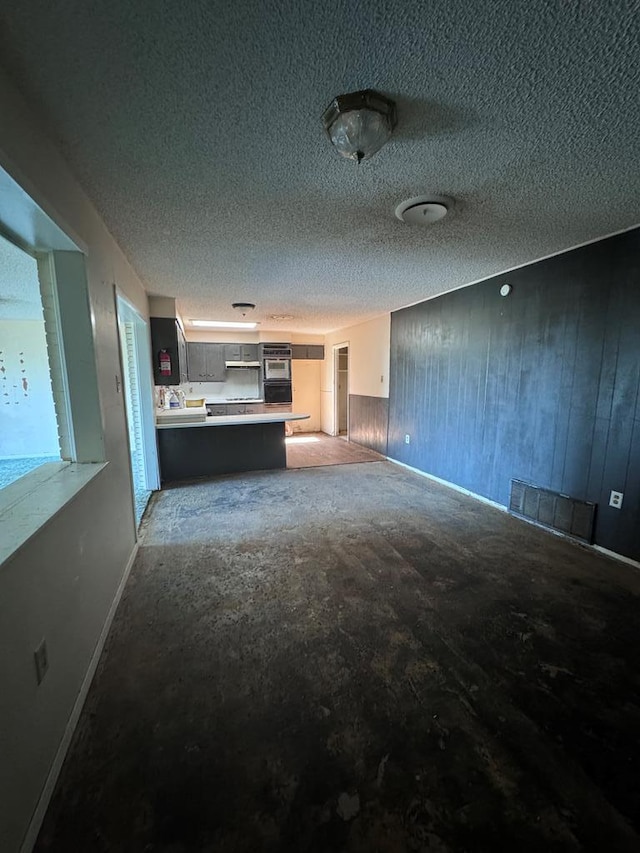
(353, 658)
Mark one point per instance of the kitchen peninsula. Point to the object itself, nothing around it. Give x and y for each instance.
(222, 445)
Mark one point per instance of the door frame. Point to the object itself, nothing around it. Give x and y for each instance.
(336, 401)
(145, 376)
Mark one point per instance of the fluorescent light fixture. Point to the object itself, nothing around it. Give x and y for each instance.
(221, 324)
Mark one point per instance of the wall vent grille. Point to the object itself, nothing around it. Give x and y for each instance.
(551, 509)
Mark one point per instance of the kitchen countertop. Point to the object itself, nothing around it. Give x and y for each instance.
(190, 414)
(235, 420)
(241, 402)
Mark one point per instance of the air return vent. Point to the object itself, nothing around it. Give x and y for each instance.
(551, 509)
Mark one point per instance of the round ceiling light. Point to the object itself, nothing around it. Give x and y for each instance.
(243, 307)
(423, 210)
(359, 124)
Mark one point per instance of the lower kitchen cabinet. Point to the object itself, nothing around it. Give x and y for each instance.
(235, 408)
(206, 450)
(217, 408)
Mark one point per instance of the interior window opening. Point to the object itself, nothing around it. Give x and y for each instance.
(29, 434)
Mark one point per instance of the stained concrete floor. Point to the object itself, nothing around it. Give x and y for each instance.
(353, 658)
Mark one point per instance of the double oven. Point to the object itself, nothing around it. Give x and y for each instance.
(276, 374)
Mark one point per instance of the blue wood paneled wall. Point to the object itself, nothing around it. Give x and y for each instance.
(541, 385)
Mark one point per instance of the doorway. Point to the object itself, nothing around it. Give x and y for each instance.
(341, 390)
(135, 351)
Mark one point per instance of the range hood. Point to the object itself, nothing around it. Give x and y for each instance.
(241, 364)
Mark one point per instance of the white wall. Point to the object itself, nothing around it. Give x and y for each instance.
(28, 424)
(305, 385)
(62, 583)
(369, 348)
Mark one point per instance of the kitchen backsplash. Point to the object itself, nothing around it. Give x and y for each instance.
(240, 383)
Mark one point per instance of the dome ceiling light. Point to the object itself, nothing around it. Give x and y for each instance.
(423, 210)
(359, 124)
(243, 307)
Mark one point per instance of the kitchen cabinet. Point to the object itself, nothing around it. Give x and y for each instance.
(235, 408)
(307, 351)
(182, 355)
(217, 408)
(206, 362)
(241, 352)
(167, 335)
(209, 449)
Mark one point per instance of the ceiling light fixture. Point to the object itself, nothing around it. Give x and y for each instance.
(243, 307)
(424, 210)
(221, 324)
(359, 124)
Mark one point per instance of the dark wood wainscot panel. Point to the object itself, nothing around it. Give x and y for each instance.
(368, 421)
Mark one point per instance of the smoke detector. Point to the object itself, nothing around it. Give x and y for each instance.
(424, 210)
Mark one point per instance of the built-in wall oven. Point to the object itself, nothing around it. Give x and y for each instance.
(276, 362)
(277, 392)
(276, 376)
(277, 370)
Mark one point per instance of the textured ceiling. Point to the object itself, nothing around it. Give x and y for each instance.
(195, 127)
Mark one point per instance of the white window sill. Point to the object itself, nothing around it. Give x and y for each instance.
(33, 500)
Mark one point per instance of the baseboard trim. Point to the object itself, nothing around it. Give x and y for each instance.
(598, 548)
(615, 556)
(449, 485)
(35, 824)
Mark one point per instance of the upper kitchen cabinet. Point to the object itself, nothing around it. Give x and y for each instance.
(206, 362)
(241, 352)
(182, 355)
(307, 351)
(168, 351)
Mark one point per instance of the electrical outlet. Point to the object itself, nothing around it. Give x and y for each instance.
(615, 500)
(407, 439)
(42, 660)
